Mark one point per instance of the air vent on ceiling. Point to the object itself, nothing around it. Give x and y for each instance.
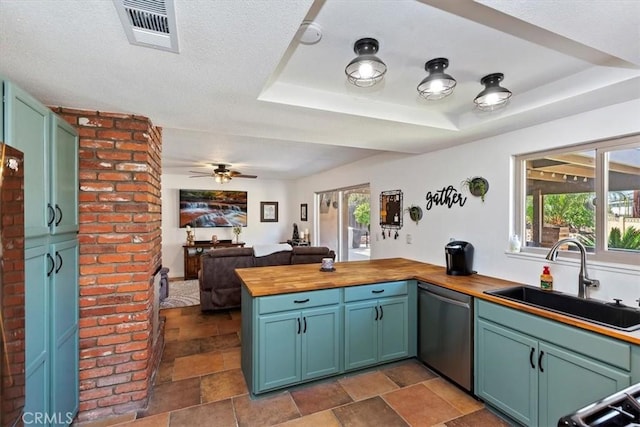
(150, 23)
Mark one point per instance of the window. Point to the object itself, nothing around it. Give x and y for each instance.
(589, 192)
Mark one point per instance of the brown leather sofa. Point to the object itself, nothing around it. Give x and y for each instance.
(219, 285)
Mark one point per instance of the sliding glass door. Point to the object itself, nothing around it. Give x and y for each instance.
(343, 222)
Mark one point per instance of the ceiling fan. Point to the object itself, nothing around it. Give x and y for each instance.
(221, 173)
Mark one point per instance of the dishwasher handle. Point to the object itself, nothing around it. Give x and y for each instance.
(447, 300)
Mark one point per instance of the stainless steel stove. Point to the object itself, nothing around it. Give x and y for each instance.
(619, 409)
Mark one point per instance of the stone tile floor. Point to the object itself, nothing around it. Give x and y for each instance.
(200, 384)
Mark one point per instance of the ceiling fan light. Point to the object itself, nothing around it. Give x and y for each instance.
(218, 179)
(366, 69)
(437, 84)
(493, 96)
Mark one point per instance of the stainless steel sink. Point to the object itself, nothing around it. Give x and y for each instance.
(608, 314)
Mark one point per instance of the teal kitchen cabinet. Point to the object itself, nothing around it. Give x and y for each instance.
(27, 128)
(504, 377)
(50, 148)
(298, 338)
(63, 278)
(51, 293)
(536, 370)
(63, 197)
(37, 336)
(376, 321)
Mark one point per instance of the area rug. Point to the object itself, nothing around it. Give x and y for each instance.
(182, 293)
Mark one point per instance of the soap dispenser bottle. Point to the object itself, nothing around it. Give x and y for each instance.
(546, 279)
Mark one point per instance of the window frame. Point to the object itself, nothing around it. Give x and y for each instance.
(601, 148)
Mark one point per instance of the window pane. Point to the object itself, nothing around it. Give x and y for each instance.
(560, 193)
(623, 200)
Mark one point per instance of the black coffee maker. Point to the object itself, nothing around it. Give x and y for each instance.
(459, 257)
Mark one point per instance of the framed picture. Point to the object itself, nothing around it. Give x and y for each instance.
(213, 208)
(303, 212)
(268, 211)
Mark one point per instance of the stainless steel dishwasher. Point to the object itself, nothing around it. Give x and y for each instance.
(445, 331)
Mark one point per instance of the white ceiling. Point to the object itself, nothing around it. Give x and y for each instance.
(244, 90)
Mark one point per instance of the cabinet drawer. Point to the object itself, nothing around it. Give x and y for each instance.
(599, 347)
(379, 290)
(298, 300)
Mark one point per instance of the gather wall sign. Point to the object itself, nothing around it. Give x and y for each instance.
(447, 196)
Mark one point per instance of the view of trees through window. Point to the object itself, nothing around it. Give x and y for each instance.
(562, 199)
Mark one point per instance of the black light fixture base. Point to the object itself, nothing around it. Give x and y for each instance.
(436, 64)
(366, 46)
(492, 79)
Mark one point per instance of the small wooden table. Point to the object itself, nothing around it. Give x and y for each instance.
(193, 252)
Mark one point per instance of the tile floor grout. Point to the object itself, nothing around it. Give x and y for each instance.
(382, 394)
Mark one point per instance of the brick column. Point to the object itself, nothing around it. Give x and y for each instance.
(12, 357)
(120, 250)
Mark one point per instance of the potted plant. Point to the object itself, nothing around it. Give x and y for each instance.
(477, 186)
(415, 213)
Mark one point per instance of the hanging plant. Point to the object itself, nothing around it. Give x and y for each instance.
(415, 213)
(477, 186)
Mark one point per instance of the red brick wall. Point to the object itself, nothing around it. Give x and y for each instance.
(12, 395)
(120, 250)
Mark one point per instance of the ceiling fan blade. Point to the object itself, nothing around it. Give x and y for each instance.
(199, 176)
(201, 173)
(245, 176)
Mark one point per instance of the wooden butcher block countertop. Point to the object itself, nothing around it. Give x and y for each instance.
(284, 279)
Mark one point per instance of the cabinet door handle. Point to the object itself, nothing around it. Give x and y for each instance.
(52, 265)
(376, 307)
(58, 257)
(381, 313)
(298, 319)
(531, 358)
(305, 325)
(300, 301)
(58, 211)
(378, 292)
(52, 215)
(540, 361)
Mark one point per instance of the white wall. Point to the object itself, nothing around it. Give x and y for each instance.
(486, 225)
(255, 233)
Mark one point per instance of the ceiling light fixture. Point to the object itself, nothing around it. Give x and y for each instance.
(366, 69)
(222, 178)
(437, 84)
(493, 96)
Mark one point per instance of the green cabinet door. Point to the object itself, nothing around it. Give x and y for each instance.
(298, 346)
(376, 331)
(393, 333)
(320, 342)
(64, 176)
(38, 263)
(569, 381)
(26, 124)
(64, 327)
(506, 371)
(279, 361)
(361, 334)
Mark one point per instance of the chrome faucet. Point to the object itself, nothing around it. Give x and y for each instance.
(584, 281)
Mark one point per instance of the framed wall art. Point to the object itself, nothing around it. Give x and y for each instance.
(268, 211)
(212, 208)
(303, 212)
